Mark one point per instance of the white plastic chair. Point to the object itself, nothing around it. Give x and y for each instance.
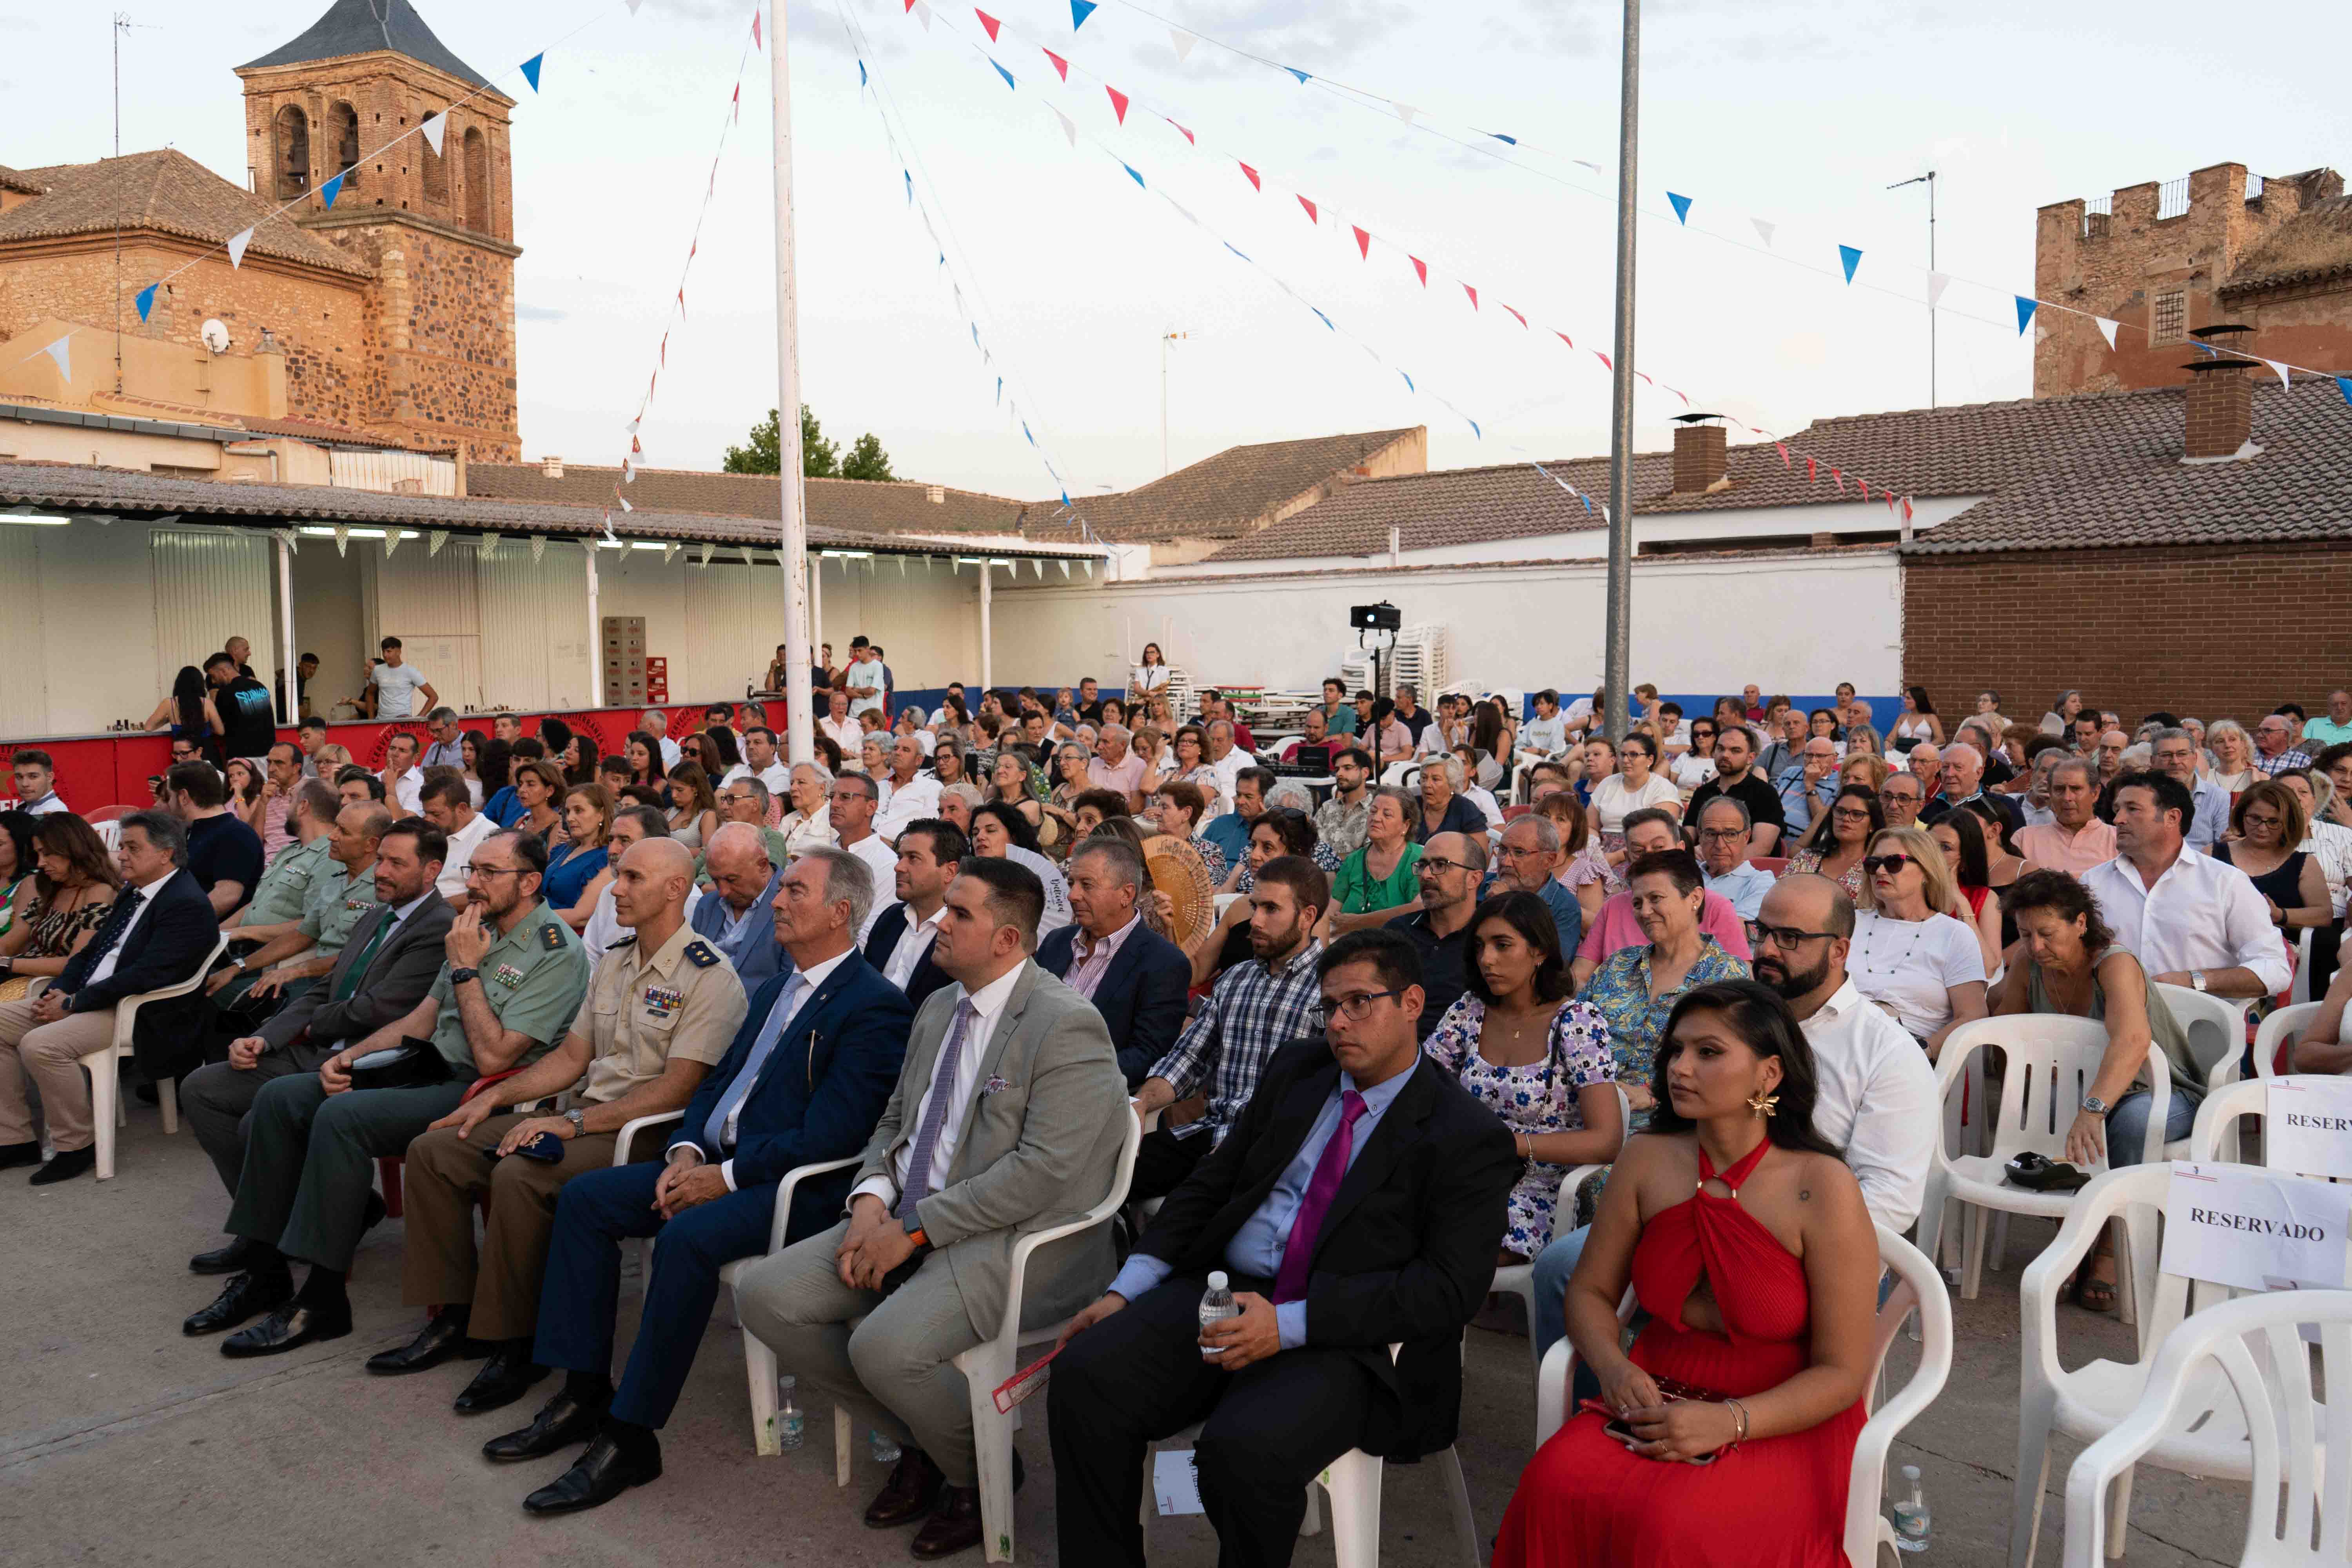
(986, 1365)
(2242, 1364)
(2086, 1403)
(2299, 989)
(2216, 1027)
(2051, 1063)
(758, 1360)
(106, 1111)
(1917, 1288)
(1519, 1278)
(2282, 1027)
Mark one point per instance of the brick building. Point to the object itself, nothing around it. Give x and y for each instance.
(2166, 261)
(392, 313)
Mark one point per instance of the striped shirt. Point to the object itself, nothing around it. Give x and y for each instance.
(1253, 1010)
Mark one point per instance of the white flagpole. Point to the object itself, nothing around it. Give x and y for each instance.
(800, 728)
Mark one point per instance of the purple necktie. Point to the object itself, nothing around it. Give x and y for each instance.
(1299, 1257)
(935, 1114)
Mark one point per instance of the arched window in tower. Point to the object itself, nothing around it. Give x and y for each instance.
(289, 155)
(477, 182)
(434, 167)
(343, 136)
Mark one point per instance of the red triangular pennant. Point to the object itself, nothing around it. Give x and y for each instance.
(737, 99)
(1517, 317)
(1473, 295)
(1563, 337)
(1252, 176)
(636, 447)
(1604, 359)
(681, 299)
(986, 21)
(1906, 509)
(1865, 488)
(1059, 63)
(1310, 210)
(1420, 266)
(755, 25)
(1839, 478)
(1812, 471)
(1363, 243)
(1781, 449)
(1195, 141)
(1117, 102)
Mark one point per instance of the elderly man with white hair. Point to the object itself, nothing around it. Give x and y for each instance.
(1964, 785)
(1724, 825)
(1528, 860)
(1927, 761)
(1115, 767)
(656, 722)
(738, 921)
(908, 794)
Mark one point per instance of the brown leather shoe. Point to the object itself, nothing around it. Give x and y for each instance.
(910, 1492)
(956, 1524)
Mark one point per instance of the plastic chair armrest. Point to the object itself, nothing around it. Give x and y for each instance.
(627, 1137)
(785, 1190)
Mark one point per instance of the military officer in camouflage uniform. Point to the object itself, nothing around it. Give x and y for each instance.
(513, 983)
(661, 1011)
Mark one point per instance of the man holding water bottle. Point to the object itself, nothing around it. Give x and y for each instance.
(1356, 1203)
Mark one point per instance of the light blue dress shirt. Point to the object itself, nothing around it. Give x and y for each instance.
(1256, 1248)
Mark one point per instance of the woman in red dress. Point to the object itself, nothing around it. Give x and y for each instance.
(1745, 1237)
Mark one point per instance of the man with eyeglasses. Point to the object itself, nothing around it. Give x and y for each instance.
(2075, 840)
(1723, 837)
(1530, 861)
(2175, 756)
(1736, 775)
(1902, 794)
(1647, 832)
(855, 798)
(1255, 1007)
(2274, 747)
(1451, 869)
(735, 919)
(1807, 789)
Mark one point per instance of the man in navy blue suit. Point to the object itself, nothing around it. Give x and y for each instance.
(900, 945)
(806, 1081)
(1136, 978)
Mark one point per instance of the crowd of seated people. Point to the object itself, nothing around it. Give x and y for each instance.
(487, 956)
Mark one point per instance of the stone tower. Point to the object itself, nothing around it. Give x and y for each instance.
(349, 96)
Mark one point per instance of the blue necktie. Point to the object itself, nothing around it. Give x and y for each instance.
(935, 1114)
(714, 1131)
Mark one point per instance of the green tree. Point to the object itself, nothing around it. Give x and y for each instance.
(866, 460)
(763, 453)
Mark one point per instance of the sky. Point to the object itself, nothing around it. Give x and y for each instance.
(1071, 267)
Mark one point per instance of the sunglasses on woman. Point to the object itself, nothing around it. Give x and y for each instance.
(1891, 864)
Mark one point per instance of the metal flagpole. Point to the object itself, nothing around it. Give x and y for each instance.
(800, 724)
(1618, 656)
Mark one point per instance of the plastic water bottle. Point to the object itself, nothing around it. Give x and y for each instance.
(1911, 1522)
(1217, 1304)
(790, 1424)
(886, 1452)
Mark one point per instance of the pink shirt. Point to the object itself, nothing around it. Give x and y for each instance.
(1125, 779)
(275, 834)
(1615, 927)
(1089, 965)
(2052, 849)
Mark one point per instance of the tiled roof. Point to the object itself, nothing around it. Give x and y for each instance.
(2312, 246)
(63, 487)
(2082, 470)
(327, 435)
(1225, 496)
(170, 193)
(855, 504)
(19, 181)
(365, 26)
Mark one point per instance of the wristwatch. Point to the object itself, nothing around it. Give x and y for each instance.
(579, 1122)
(2096, 1106)
(2197, 978)
(459, 977)
(915, 1234)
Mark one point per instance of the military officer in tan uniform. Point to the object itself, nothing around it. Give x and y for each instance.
(661, 1010)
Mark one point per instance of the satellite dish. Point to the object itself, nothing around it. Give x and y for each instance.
(215, 336)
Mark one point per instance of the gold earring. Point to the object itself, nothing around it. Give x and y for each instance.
(1762, 1104)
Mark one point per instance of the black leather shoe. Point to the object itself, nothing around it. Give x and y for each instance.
(442, 1338)
(596, 1478)
(65, 1166)
(237, 1256)
(371, 1216)
(955, 1524)
(14, 1154)
(289, 1327)
(247, 1296)
(910, 1494)
(507, 1376)
(561, 1422)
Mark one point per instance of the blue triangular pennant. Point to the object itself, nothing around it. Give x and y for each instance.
(861, 72)
(1132, 174)
(1025, 423)
(2344, 385)
(2025, 309)
(1303, 78)
(1000, 391)
(910, 187)
(332, 189)
(1066, 500)
(1682, 207)
(1409, 386)
(1500, 137)
(975, 334)
(531, 70)
(1080, 11)
(1474, 427)
(147, 300)
(1849, 258)
(1585, 499)
(1007, 76)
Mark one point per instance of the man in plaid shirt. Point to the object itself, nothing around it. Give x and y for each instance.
(1256, 1007)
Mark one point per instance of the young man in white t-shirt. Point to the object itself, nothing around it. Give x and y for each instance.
(395, 686)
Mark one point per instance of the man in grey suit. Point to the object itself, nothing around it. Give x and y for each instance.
(382, 973)
(1008, 1118)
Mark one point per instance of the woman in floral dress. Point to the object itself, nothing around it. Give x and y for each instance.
(1538, 1059)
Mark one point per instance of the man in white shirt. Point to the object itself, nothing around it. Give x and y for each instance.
(865, 681)
(761, 762)
(908, 794)
(838, 723)
(449, 804)
(394, 685)
(855, 800)
(404, 781)
(1227, 760)
(631, 824)
(929, 855)
(36, 783)
(2189, 919)
(656, 722)
(1723, 826)
(1545, 735)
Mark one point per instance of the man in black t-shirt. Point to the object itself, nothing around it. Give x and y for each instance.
(1736, 775)
(1090, 702)
(248, 713)
(224, 853)
(1413, 718)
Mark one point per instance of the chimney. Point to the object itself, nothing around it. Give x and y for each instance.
(2219, 406)
(1699, 458)
(938, 495)
(552, 466)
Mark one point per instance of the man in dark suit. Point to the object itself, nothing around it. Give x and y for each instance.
(900, 945)
(1136, 978)
(805, 1081)
(1357, 1203)
(160, 930)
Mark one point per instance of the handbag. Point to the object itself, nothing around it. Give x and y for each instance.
(2037, 1174)
(412, 1063)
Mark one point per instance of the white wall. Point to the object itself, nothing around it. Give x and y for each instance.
(1798, 623)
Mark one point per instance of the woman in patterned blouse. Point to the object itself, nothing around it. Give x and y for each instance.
(1539, 1060)
(1637, 986)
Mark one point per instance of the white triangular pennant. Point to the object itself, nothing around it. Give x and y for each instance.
(708, 552)
(1181, 42)
(2106, 331)
(1037, 565)
(669, 553)
(539, 547)
(62, 351)
(489, 541)
(1590, 164)
(1405, 112)
(343, 538)
(434, 541)
(392, 537)
(634, 5)
(1937, 283)
(1069, 129)
(236, 244)
(1065, 566)
(2281, 368)
(923, 14)
(436, 126)
(291, 540)
(1763, 231)
(1089, 564)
